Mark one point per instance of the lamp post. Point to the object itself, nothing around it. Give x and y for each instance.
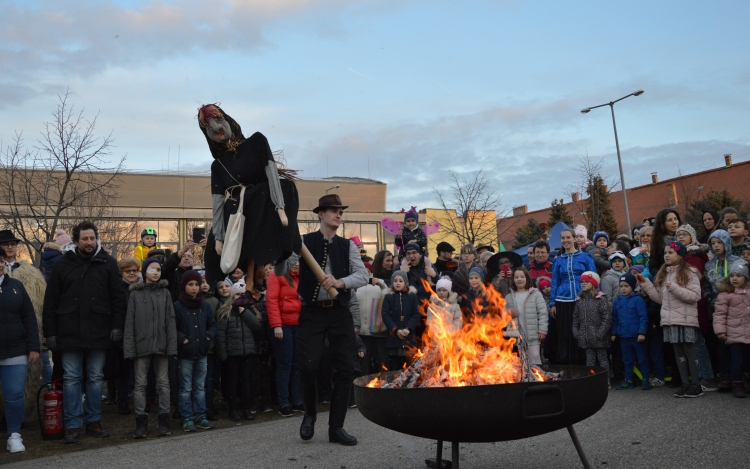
(332, 188)
(611, 105)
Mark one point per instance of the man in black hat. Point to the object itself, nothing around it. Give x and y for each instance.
(9, 242)
(325, 317)
(445, 262)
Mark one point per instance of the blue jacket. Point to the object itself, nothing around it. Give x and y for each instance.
(629, 316)
(397, 305)
(566, 275)
(196, 325)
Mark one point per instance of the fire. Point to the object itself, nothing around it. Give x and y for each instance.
(480, 352)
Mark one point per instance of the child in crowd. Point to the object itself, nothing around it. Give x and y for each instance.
(545, 286)
(618, 262)
(732, 321)
(738, 231)
(630, 324)
(745, 251)
(640, 255)
(532, 317)
(235, 342)
(677, 288)
(401, 316)
(474, 303)
(360, 367)
(447, 299)
(599, 251)
(581, 234)
(411, 233)
(592, 321)
(150, 338)
(697, 256)
(196, 329)
(216, 300)
(147, 244)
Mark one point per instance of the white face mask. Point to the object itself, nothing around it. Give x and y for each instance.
(152, 270)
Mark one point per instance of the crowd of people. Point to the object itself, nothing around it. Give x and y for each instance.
(150, 328)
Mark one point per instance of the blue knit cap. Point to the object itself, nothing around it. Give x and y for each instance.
(412, 213)
(629, 279)
(600, 234)
(478, 271)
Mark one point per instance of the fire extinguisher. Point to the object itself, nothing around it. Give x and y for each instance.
(51, 421)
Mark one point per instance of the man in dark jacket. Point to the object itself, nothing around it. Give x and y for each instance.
(417, 271)
(445, 256)
(84, 312)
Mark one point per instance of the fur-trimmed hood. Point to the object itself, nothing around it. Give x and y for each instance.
(141, 285)
(697, 249)
(391, 291)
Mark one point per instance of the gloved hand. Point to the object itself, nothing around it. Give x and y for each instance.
(115, 335)
(51, 343)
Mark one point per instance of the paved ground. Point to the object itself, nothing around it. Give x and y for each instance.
(634, 429)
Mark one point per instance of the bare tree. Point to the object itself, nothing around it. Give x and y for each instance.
(472, 199)
(588, 171)
(65, 174)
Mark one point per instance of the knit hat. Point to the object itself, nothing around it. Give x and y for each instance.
(413, 247)
(629, 279)
(601, 234)
(148, 261)
(745, 246)
(618, 255)
(638, 268)
(444, 247)
(581, 230)
(591, 277)
(544, 282)
(412, 213)
(238, 287)
(477, 271)
(400, 273)
(62, 238)
(188, 276)
(444, 283)
(678, 247)
(691, 231)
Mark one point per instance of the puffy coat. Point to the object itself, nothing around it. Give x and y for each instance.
(370, 298)
(452, 306)
(282, 301)
(534, 317)
(19, 332)
(610, 285)
(196, 325)
(150, 322)
(566, 275)
(732, 317)
(401, 311)
(235, 334)
(84, 301)
(679, 305)
(592, 321)
(629, 316)
(50, 255)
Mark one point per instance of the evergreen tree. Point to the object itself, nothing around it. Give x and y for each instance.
(559, 213)
(527, 234)
(599, 212)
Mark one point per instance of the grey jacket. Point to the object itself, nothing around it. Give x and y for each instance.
(150, 321)
(234, 334)
(610, 285)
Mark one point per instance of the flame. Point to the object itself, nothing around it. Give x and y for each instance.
(479, 352)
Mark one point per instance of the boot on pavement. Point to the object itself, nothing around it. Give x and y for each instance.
(141, 426)
(165, 425)
(738, 389)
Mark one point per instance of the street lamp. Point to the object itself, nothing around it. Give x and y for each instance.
(611, 105)
(332, 188)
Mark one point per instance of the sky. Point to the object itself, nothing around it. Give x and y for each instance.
(398, 91)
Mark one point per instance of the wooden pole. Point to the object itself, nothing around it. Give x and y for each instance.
(310, 261)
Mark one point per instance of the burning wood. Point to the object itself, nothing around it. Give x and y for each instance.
(489, 349)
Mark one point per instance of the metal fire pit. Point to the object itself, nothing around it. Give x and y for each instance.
(483, 414)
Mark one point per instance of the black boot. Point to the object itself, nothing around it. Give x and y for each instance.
(339, 435)
(141, 426)
(310, 401)
(165, 426)
(339, 404)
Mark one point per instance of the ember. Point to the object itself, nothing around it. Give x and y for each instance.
(481, 352)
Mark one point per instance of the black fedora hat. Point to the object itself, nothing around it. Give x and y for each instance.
(329, 201)
(486, 246)
(493, 263)
(7, 235)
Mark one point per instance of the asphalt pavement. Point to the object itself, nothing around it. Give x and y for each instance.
(634, 429)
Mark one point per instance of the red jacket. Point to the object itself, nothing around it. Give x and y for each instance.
(544, 271)
(282, 301)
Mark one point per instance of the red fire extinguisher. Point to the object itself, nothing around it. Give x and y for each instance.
(51, 420)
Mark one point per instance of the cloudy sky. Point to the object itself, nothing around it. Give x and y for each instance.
(399, 91)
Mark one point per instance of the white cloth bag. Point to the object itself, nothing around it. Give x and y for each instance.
(230, 254)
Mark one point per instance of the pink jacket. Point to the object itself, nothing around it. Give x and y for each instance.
(732, 317)
(679, 305)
